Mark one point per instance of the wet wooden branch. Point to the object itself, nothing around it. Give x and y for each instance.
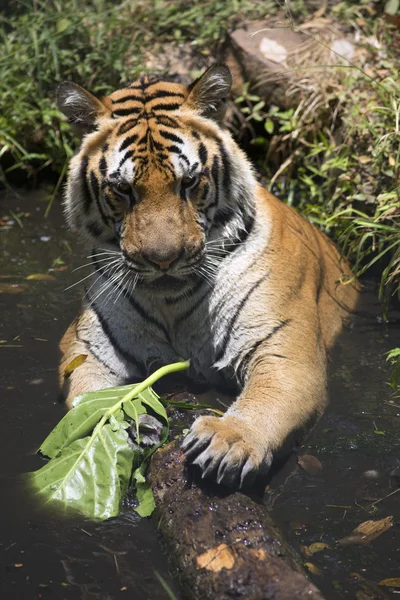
(222, 545)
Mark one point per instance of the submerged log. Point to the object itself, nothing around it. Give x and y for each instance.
(222, 545)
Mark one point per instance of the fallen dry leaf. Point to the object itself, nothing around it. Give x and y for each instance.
(312, 568)
(74, 364)
(310, 463)
(216, 559)
(13, 288)
(41, 277)
(367, 531)
(314, 548)
(364, 160)
(391, 582)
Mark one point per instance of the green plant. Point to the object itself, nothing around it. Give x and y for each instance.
(335, 155)
(99, 45)
(394, 358)
(92, 461)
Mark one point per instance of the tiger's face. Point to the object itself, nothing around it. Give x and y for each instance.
(155, 175)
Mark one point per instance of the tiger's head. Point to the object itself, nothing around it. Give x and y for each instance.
(157, 178)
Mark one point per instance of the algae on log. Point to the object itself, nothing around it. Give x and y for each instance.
(223, 546)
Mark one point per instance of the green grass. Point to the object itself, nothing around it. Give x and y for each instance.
(339, 164)
(97, 44)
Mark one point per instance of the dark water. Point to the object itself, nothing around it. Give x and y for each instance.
(45, 556)
(358, 443)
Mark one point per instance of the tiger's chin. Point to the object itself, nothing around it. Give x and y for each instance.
(169, 284)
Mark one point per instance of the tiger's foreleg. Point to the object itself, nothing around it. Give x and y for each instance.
(285, 386)
(92, 374)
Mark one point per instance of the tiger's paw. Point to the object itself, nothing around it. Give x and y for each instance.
(227, 450)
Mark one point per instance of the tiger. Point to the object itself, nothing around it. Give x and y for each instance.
(192, 258)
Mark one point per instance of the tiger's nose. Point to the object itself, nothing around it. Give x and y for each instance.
(164, 262)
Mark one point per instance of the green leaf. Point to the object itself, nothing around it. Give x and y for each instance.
(146, 500)
(269, 126)
(392, 7)
(91, 455)
(134, 408)
(87, 410)
(143, 493)
(62, 25)
(89, 476)
(153, 400)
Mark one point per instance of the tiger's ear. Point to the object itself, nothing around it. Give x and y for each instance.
(208, 93)
(80, 106)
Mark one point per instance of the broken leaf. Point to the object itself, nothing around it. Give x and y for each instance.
(41, 277)
(13, 288)
(314, 548)
(216, 559)
(312, 568)
(74, 364)
(310, 463)
(364, 160)
(391, 582)
(366, 532)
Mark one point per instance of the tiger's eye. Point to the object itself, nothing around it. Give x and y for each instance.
(122, 187)
(189, 183)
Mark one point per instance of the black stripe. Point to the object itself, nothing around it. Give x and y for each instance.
(186, 294)
(203, 154)
(127, 98)
(194, 167)
(229, 327)
(223, 217)
(171, 106)
(166, 167)
(91, 350)
(109, 200)
(125, 158)
(244, 233)
(96, 193)
(174, 149)
(125, 127)
(127, 355)
(215, 176)
(144, 82)
(87, 198)
(105, 147)
(193, 308)
(128, 142)
(170, 136)
(205, 192)
(167, 121)
(226, 165)
(185, 158)
(250, 353)
(94, 229)
(149, 318)
(103, 166)
(125, 112)
(163, 94)
(196, 135)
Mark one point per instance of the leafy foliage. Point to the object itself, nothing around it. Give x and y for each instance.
(394, 358)
(339, 163)
(92, 457)
(98, 44)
